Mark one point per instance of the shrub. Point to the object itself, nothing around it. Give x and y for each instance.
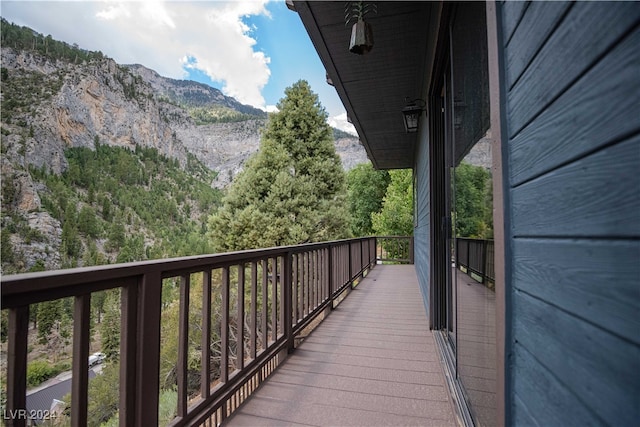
(39, 371)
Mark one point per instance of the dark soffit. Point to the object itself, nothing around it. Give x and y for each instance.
(373, 87)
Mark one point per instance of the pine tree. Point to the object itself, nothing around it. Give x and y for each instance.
(293, 190)
(110, 326)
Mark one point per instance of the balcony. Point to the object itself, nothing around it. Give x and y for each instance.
(372, 361)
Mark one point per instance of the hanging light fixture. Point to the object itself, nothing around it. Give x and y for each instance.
(361, 41)
(411, 114)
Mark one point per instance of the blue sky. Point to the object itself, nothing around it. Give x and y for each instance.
(251, 50)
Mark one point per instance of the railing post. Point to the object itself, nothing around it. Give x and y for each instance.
(148, 350)
(80, 378)
(288, 300)
(375, 250)
(484, 261)
(411, 250)
(17, 365)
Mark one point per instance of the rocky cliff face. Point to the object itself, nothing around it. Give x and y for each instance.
(191, 93)
(49, 105)
(127, 106)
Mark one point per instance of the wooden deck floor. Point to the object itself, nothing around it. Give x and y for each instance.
(372, 362)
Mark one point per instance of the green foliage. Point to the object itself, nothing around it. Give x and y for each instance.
(108, 192)
(366, 189)
(168, 402)
(217, 114)
(24, 91)
(473, 202)
(4, 325)
(104, 395)
(48, 313)
(110, 325)
(396, 217)
(24, 38)
(6, 247)
(293, 190)
(38, 371)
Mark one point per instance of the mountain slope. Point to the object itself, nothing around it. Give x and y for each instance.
(192, 94)
(57, 99)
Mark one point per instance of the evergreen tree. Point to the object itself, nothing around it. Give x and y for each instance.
(110, 325)
(293, 190)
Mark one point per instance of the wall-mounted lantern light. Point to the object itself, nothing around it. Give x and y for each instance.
(411, 115)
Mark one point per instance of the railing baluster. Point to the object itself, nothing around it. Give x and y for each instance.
(294, 285)
(288, 303)
(274, 299)
(205, 344)
(224, 328)
(309, 282)
(254, 309)
(183, 344)
(128, 338)
(323, 274)
(330, 275)
(80, 378)
(301, 284)
(265, 297)
(17, 364)
(285, 306)
(361, 257)
(313, 268)
(240, 319)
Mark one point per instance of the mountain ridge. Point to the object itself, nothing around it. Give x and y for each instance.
(56, 97)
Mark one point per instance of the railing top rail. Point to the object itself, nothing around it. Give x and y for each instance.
(25, 283)
(474, 239)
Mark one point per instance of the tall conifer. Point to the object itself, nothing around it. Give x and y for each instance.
(293, 189)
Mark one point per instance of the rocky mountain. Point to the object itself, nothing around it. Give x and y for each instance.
(56, 97)
(191, 94)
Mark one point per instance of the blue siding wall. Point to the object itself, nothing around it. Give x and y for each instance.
(422, 223)
(572, 82)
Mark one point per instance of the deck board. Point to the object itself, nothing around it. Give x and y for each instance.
(372, 362)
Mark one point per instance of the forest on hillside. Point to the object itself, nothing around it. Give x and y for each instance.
(107, 203)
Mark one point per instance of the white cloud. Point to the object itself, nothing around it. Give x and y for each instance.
(272, 109)
(340, 122)
(212, 35)
(160, 34)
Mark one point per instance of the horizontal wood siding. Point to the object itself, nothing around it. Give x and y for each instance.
(422, 218)
(601, 108)
(513, 12)
(588, 32)
(572, 80)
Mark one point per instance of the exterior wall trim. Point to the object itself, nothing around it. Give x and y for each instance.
(497, 102)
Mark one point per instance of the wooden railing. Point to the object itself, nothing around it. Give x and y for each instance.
(254, 303)
(396, 249)
(477, 257)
